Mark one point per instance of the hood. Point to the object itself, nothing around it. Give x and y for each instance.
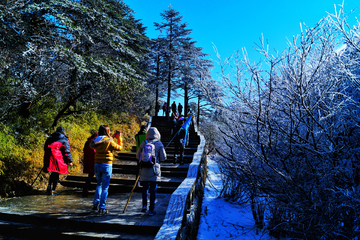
(57, 135)
(100, 141)
(99, 138)
(153, 134)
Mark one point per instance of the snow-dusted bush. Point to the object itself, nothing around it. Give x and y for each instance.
(292, 134)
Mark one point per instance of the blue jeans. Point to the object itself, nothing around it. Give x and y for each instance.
(103, 173)
(152, 188)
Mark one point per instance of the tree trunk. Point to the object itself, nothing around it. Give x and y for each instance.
(186, 100)
(157, 108)
(198, 112)
(169, 91)
(157, 105)
(71, 102)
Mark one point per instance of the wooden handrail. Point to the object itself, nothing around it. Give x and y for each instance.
(183, 213)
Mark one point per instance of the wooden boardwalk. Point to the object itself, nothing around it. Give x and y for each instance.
(69, 215)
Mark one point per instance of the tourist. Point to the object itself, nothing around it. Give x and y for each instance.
(57, 157)
(104, 145)
(179, 138)
(89, 161)
(139, 138)
(164, 108)
(172, 123)
(173, 107)
(149, 176)
(180, 108)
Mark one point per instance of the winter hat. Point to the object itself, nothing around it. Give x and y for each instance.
(153, 133)
(61, 130)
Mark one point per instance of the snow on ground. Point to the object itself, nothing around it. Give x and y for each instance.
(223, 220)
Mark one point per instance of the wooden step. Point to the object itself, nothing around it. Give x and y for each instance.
(118, 187)
(69, 215)
(20, 230)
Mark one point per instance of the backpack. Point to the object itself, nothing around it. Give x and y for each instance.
(147, 156)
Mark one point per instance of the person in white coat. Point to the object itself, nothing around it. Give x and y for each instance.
(149, 176)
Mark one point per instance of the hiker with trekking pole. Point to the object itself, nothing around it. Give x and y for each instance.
(152, 135)
(149, 154)
(57, 157)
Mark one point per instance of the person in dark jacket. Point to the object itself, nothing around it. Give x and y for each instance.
(173, 107)
(150, 176)
(180, 108)
(88, 162)
(164, 108)
(172, 123)
(57, 157)
(179, 141)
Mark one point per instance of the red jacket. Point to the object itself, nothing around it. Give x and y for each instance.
(89, 156)
(57, 153)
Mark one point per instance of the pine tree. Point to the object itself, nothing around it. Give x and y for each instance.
(174, 34)
(157, 79)
(88, 51)
(194, 66)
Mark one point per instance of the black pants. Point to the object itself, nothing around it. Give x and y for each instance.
(53, 180)
(88, 182)
(179, 145)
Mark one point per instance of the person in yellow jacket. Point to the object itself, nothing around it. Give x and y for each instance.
(104, 145)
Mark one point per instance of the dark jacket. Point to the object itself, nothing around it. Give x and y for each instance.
(180, 108)
(57, 153)
(179, 131)
(173, 107)
(89, 156)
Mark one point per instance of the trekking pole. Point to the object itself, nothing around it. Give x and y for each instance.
(137, 179)
(36, 177)
(173, 138)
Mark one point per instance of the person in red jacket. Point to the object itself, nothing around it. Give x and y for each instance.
(88, 162)
(57, 157)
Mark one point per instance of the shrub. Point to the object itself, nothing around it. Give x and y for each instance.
(21, 155)
(13, 160)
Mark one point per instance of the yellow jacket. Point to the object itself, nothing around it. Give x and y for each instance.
(104, 147)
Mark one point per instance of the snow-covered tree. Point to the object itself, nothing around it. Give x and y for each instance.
(194, 67)
(157, 80)
(174, 34)
(89, 52)
(292, 134)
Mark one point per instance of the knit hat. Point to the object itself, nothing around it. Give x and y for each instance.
(61, 130)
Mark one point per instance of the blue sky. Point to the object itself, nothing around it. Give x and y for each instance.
(231, 25)
(234, 24)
